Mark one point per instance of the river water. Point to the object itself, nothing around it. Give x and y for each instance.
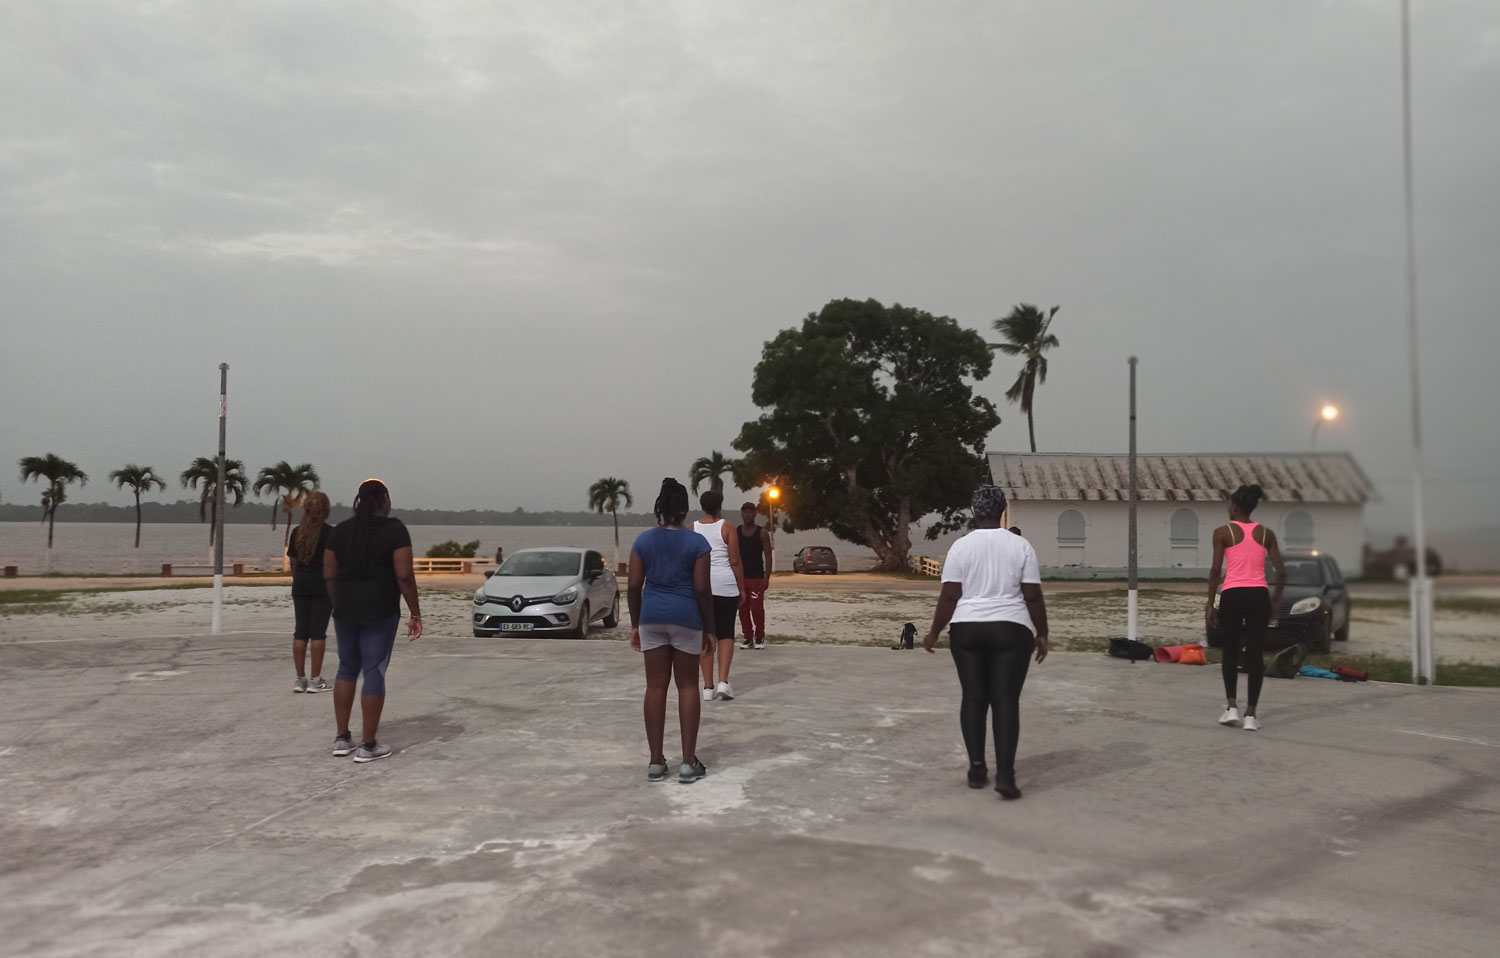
(107, 547)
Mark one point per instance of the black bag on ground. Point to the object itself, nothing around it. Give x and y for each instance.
(908, 637)
(1131, 649)
(1287, 663)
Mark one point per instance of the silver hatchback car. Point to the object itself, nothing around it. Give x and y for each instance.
(547, 591)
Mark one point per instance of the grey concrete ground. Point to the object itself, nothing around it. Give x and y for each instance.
(171, 796)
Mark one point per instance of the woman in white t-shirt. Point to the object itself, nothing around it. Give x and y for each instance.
(992, 595)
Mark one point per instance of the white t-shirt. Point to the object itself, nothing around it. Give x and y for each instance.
(991, 564)
(720, 572)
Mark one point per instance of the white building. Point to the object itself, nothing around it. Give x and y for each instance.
(1074, 508)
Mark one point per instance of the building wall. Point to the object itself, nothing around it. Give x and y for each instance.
(1336, 529)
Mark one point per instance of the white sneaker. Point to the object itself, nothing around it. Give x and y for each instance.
(724, 692)
(708, 695)
(1231, 717)
(1252, 724)
(760, 643)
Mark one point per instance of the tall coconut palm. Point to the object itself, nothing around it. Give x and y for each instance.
(58, 473)
(206, 472)
(710, 468)
(139, 479)
(607, 495)
(1026, 334)
(290, 483)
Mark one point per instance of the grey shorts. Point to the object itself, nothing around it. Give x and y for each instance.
(678, 637)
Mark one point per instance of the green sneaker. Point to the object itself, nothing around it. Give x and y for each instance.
(690, 772)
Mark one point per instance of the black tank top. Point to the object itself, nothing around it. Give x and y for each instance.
(752, 556)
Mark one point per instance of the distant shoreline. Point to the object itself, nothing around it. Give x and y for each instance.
(186, 511)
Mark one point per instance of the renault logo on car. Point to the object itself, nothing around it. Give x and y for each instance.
(517, 604)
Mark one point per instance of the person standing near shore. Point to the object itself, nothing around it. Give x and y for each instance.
(311, 604)
(1247, 602)
(671, 617)
(728, 584)
(992, 595)
(755, 559)
(369, 571)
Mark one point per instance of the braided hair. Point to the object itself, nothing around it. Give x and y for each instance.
(672, 504)
(310, 529)
(1246, 498)
(371, 498)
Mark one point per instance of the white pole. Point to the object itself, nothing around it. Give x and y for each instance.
(1131, 615)
(218, 617)
(1421, 587)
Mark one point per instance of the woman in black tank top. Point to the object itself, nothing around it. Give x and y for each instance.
(755, 548)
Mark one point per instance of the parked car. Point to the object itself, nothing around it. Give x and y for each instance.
(1314, 604)
(812, 559)
(547, 591)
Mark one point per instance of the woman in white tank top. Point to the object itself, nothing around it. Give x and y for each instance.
(727, 580)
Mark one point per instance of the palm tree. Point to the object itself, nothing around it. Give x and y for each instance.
(140, 479)
(59, 474)
(712, 469)
(606, 495)
(206, 472)
(289, 482)
(1026, 334)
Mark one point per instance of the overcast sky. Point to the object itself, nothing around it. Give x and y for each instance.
(493, 251)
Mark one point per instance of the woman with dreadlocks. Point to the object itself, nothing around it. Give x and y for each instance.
(671, 614)
(310, 602)
(368, 568)
(992, 595)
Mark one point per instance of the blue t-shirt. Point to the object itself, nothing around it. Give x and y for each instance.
(669, 556)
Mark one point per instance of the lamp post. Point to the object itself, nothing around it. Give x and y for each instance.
(772, 495)
(1329, 413)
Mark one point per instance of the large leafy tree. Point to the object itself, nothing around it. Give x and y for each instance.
(608, 495)
(1027, 333)
(137, 479)
(289, 484)
(870, 422)
(205, 472)
(711, 469)
(57, 474)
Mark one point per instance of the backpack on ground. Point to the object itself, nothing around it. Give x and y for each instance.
(1287, 663)
(1132, 650)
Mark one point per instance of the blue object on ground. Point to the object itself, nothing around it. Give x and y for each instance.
(1312, 671)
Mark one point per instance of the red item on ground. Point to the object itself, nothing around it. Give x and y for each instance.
(1351, 675)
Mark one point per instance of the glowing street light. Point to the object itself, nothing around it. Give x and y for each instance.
(772, 495)
(1328, 413)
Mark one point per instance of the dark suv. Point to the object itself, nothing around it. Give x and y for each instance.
(815, 559)
(1314, 605)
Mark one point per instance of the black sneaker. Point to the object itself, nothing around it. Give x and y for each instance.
(690, 772)
(979, 775)
(1006, 786)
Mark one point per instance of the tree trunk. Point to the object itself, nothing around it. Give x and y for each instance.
(717, 485)
(275, 505)
(1031, 427)
(288, 537)
(51, 518)
(616, 516)
(137, 518)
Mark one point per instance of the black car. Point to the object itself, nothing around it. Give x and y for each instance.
(810, 559)
(1314, 605)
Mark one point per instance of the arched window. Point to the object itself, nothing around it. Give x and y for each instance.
(1299, 528)
(1184, 528)
(1070, 527)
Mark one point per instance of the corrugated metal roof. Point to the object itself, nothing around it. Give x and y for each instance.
(1331, 477)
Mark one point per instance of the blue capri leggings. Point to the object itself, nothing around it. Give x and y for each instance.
(366, 647)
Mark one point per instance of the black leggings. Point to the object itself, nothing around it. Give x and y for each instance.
(992, 660)
(312, 612)
(1243, 616)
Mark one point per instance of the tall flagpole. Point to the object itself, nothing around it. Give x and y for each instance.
(1422, 672)
(1134, 495)
(218, 621)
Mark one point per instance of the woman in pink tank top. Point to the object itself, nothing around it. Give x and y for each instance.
(1245, 606)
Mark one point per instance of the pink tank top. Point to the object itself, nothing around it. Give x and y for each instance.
(1245, 563)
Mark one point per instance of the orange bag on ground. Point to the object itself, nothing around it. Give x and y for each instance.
(1181, 655)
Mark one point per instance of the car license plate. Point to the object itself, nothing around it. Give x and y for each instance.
(515, 626)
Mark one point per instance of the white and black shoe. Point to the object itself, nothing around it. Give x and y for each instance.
(1231, 718)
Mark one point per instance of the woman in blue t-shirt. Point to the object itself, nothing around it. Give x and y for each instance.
(671, 611)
